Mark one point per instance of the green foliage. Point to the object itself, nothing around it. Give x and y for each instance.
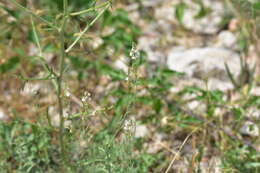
(241, 159)
(125, 32)
(256, 6)
(204, 11)
(181, 7)
(114, 74)
(179, 12)
(26, 147)
(29, 148)
(106, 155)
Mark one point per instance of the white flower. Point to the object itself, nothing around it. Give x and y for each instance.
(128, 125)
(86, 97)
(134, 53)
(67, 93)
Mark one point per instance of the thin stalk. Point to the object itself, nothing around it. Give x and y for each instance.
(60, 77)
(89, 10)
(33, 79)
(179, 150)
(86, 28)
(36, 37)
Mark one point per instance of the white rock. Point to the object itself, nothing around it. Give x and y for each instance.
(193, 105)
(149, 44)
(205, 63)
(226, 39)
(203, 60)
(96, 42)
(208, 24)
(213, 165)
(253, 113)
(31, 89)
(155, 56)
(216, 84)
(34, 51)
(121, 63)
(255, 91)
(157, 143)
(165, 12)
(140, 131)
(249, 128)
(150, 3)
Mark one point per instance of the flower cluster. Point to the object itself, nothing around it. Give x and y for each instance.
(86, 97)
(134, 53)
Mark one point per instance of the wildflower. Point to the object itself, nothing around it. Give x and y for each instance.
(67, 93)
(129, 125)
(86, 97)
(134, 53)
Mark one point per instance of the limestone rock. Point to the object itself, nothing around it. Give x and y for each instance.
(205, 64)
(140, 131)
(249, 128)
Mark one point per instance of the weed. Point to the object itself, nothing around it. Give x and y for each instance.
(98, 105)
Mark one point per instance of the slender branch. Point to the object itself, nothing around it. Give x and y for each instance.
(36, 37)
(31, 79)
(90, 9)
(180, 148)
(87, 28)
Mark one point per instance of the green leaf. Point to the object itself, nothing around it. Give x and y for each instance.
(157, 105)
(179, 12)
(210, 109)
(252, 165)
(202, 12)
(216, 96)
(256, 6)
(231, 76)
(13, 13)
(115, 74)
(238, 112)
(36, 38)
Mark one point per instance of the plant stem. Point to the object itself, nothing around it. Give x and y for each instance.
(89, 10)
(86, 28)
(60, 77)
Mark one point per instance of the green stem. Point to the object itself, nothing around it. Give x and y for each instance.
(89, 10)
(60, 77)
(86, 28)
